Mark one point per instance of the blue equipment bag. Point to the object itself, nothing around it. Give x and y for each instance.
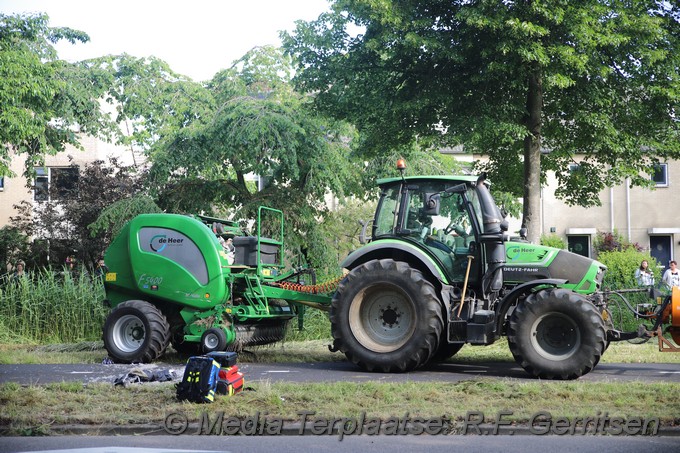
(200, 380)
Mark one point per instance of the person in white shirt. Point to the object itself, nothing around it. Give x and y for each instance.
(672, 275)
(643, 275)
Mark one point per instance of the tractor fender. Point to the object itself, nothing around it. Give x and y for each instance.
(519, 291)
(398, 251)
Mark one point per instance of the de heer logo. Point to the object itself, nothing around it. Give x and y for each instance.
(512, 253)
(160, 241)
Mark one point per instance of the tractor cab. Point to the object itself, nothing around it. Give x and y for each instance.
(450, 218)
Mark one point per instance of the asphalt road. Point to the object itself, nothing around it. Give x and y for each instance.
(338, 371)
(330, 444)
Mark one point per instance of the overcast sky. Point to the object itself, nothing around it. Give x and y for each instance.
(197, 38)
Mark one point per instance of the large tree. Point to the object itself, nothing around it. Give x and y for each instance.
(529, 83)
(43, 100)
(206, 143)
(255, 125)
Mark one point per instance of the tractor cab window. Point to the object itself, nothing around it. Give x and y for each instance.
(442, 223)
(385, 218)
(451, 226)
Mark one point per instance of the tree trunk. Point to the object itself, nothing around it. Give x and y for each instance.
(532, 159)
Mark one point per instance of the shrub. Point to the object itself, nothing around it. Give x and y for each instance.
(621, 266)
(608, 242)
(553, 240)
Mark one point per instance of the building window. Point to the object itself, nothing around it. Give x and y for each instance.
(579, 244)
(54, 183)
(2, 183)
(660, 175)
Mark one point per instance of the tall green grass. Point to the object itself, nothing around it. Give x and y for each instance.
(316, 326)
(51, 307)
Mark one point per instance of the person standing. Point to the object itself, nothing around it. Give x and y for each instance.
(643, 275)
(19, 270)
(101, 269)
(671, 277)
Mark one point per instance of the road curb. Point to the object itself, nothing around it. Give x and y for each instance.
(294, 429)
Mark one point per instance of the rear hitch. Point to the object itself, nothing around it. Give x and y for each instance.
(617, 335)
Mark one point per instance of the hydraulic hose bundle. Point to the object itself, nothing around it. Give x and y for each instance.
(325, 287)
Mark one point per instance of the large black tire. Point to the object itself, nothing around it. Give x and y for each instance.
(136, 332)
(386, 317)
(446, 350)
(556, 334)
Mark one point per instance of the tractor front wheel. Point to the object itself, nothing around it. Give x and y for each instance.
(386, 317)
(136, 331)
(556, 334)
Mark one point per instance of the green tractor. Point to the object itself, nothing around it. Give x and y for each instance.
(437, 273)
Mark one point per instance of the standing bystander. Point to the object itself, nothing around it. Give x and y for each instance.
(672, 276)
(644, 275)
(19, 270)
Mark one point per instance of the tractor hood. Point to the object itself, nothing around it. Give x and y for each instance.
(526, 262)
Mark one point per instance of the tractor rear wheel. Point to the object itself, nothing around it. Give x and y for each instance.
(136, 331)
(556, 334)
(386, 317)
(446, 350)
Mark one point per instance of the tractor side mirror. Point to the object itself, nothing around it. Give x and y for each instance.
(431, 204)
(523, 233)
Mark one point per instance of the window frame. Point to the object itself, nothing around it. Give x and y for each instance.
(44, 179)
(657, 169)
(589, 245)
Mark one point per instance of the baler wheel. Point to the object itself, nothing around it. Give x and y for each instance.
(136, 331)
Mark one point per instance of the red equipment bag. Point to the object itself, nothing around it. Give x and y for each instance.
(230, 381)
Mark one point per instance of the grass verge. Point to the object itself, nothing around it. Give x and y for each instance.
(101, 404)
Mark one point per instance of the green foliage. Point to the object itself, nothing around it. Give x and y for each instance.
(14, 245)
(42, 99)
(553, 240)
(47, 307)
(508, 202)
(621, 265)
(316, 326)
(62, 223)
(114, 217)
(151, 101)
(254, 126)
(335, 236)
(506, 79)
